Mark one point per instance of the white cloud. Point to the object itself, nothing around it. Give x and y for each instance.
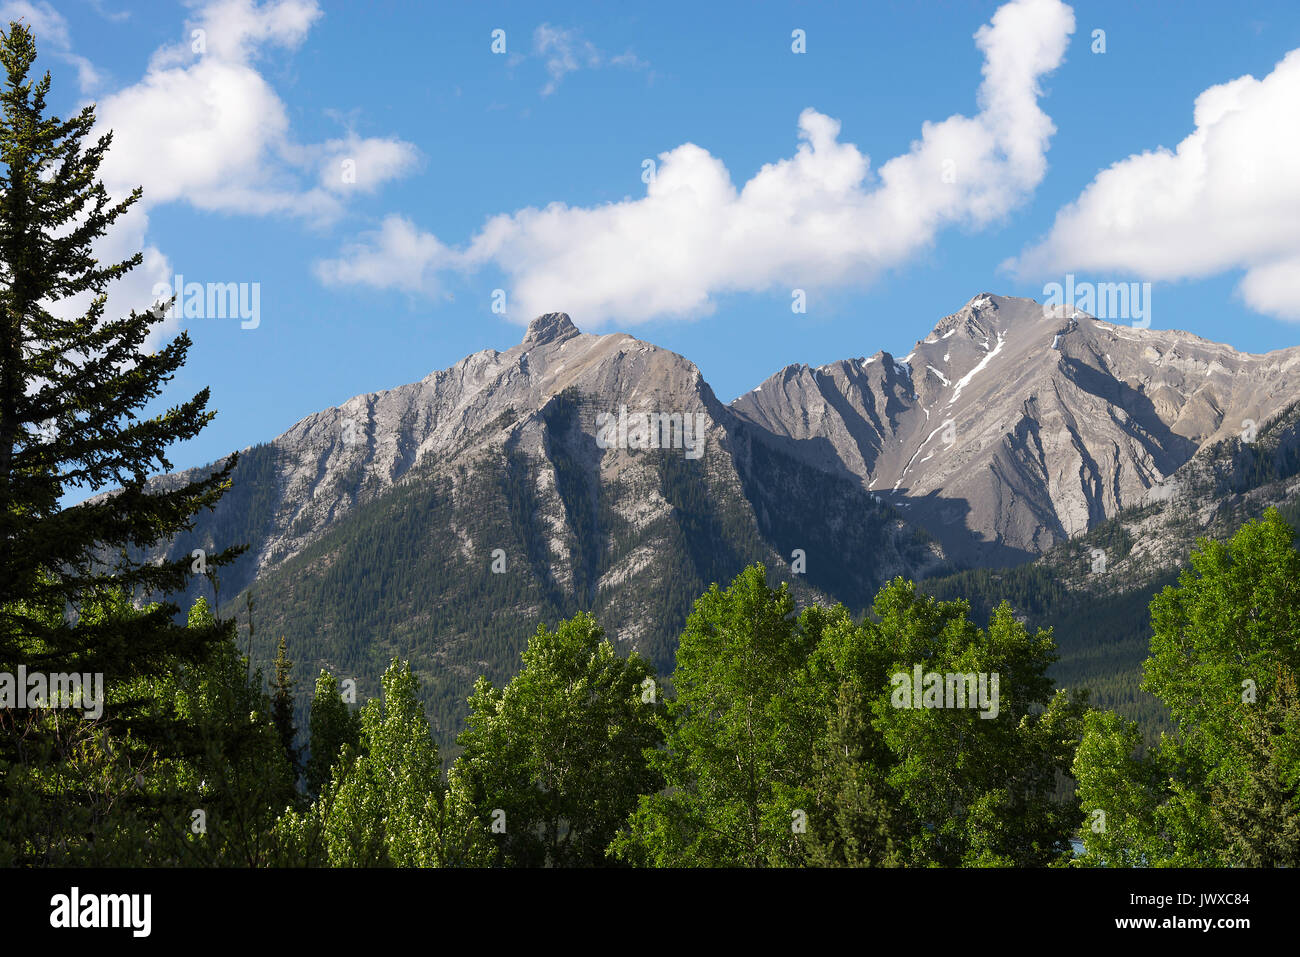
(819, 217)
(204, 127)
(237, 30)
(396, 256)
(364, 164)
(52, 34)
(207, 128)
(565, 51)
(205, 134)
(1226, 198)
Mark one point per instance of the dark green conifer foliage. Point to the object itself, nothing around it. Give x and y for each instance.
(853, 825)
(75, 384)
(282, 704)
(71, 395)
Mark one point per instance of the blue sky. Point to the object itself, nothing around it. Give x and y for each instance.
(369, 284)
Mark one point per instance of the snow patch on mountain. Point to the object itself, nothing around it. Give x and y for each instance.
(979, 367)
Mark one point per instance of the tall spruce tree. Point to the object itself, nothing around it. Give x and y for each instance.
(72, 391)
(282, 705)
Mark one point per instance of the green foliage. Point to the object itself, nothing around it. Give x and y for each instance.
(1119, 793)
(282, 705)
(1102, 638)
(972, 786)
(71, 785)
(1258, 811)
(235, 769)
(855, 826)
(556, 759)
(386, 806)
(72, 391)
(741, 734)
(200, 786)
(1224, 789)
(787, 745)
(70, 394)
(334, 727)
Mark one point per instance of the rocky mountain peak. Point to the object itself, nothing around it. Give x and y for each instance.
(1008, 429)
(552, 327)
(1014, 425)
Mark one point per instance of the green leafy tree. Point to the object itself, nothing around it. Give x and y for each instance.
(1120, 793)
(1224, 788)
(217, 802)
(787, 746)
(741, 734)
(204, 789)
(556, 759)
(209, 791)
(386, 805)
(976, 786)
(333, 726)
(72, 793)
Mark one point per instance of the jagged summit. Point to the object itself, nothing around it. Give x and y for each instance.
(552, 327)
(1020, 423)
(1009, 428)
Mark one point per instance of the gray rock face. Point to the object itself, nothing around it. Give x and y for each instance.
(537, 409)
(375, 526)
(552, 327)
(339, 457)
(1012, 426)
(1007, 430)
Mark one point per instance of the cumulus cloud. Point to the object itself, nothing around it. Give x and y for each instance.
(236, 30)
(204, 127)
(362, 163)
(1226, 198)
(818, 217)
(396, 256)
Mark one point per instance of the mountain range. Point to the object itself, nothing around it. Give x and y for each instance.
(441, 521)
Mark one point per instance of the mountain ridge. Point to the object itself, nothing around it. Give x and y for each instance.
(1027, 466)
(1049, 420)
(441, 520)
